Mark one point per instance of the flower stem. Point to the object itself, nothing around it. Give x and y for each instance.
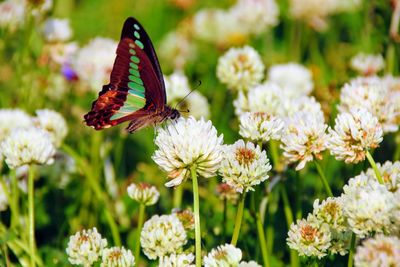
(273, 146)
(224, 218)
(352, 248)
(261, 238)
(178, 192)
(238, 221)
(373, 165)
(196, 208)
(31, 215)
(323, 179)
(142, 209)
(294, 259)
(15, 200)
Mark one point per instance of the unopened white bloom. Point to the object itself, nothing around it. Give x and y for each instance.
(85, 247)
(354, 134)
(367, 64)
(12, 14)
(143, 193)
(224, 255)
(28, 146)
(373, 94)
(244, 166)
(11, 119)
(240, 68)
(93, 63)
(176, 49)
(117, 257)
(3, 197)
(380, 250)
(294, 79)
(53, 123)
(260, 126)
(369, 206)
(261, 98)
(304, 138)
(162, 235)
(309, 237)
(186, 142)
(57, 30)
(255, 16)
(249, 264)
(177, 260)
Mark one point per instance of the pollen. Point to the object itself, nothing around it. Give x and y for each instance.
(245, 156)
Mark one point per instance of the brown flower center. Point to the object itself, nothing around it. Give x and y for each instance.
(308, 233)
(245, 156)
(115, 255)
(385, 248)
(332, 208)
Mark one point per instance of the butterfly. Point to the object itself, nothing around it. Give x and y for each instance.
(136, 91)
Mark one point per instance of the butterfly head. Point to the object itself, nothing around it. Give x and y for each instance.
(174, 114)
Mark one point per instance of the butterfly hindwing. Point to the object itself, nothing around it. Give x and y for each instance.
(136, 81)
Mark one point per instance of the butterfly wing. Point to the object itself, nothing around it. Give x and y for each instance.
(136, 90)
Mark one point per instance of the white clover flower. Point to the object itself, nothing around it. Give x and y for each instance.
(176, 49)
(306, 104)
(177, 260)
(369, 206)
(62, 54)
(117, 257)
(224, 255)
(186, 217)
(177, 88)
(244, 166)
(143, 193)
(373, 94)
(304, 138)
(3, 197)
(53, 123)
(11, 119)
(57, 30)
(240, 68)
(294, 79)
(12, 14)
(378, 251)
(353, 135)
(261, 98)
(27, 146)
(85, 247)
(260, 126)
(367, 64)
(309, 237)
(249, 264)
(185, 142)
(162, 235)
(255, 16)
(93, 63)
(390, 174)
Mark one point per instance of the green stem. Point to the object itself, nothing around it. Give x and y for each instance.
(352, 249)
(224, 219)
(261, 238)
(373, 165)
(390, 58)
(323, 178)
(196, 208)
(142, 209)
(31, 214)
(178, 193)
(15, 200)
(238, 221)
(294, 259)
(273, 146)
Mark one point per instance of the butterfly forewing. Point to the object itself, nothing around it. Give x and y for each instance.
(136, 86)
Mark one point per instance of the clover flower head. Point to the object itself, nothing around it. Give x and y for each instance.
(177, 260)
(57, 30)
(378, 251)
(224, 255)
(11, 119)
(117, 257)
(143, 193)
(53, 123)
(367, 64)
(260, 126)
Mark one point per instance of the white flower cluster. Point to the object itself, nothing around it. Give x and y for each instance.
(143, 193)
(354, 134)
(57, 30)
(378, 251)
(177, 88)
(177, 260)
(377, 95)
(244, 166)
(260, 126)
(234, 25)
(93, 63)
(366, 64)
(240, 68)
(224, 255)
(315, 14)
(53, 123)
(85, 247)
(186, 142)
(162, 235)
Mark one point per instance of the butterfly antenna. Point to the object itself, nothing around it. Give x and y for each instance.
(183, 99)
